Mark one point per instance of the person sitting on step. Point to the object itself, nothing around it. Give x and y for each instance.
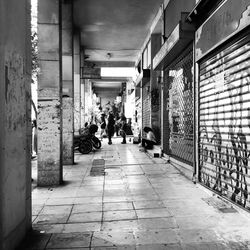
(150, 141)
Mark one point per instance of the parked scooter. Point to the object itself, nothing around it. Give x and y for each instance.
(82, 144)
(86, 140)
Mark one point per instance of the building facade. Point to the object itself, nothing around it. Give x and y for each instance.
(193, 90)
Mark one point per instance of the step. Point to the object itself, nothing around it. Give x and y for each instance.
(156, 152)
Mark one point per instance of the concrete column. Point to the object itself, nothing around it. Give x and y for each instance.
(156, 88)
(77, 84)
(67, 81)
(83, 116)
(15, 132)
(49, 94)
(83, 91)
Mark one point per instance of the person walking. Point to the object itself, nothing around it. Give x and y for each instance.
(110, 127)
(123, 122)
(103, 126)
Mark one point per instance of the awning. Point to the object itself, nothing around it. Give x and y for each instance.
(182, 35)
(143, 78)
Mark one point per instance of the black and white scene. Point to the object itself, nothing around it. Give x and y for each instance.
(125, 124)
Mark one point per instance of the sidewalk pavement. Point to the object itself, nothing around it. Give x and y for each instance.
(139, 203)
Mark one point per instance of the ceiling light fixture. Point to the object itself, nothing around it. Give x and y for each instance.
(108, 55)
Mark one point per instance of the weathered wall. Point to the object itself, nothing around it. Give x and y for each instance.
(49, 121)
(77, 84)
(15, 133)
(68, 84)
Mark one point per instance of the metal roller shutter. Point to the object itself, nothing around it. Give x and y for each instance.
(180, 93)
(224, 124)
(146, 110)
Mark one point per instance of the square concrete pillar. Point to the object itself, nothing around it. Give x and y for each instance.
(155, 89)
(15, 132)
(67, 83)
(49, 120)
(77, 85)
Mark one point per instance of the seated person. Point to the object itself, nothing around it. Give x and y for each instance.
(150, 141)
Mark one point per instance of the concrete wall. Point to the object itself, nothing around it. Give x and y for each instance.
(77, 83)
(15, 133)
(67, 83)
(173, 13)
(49, 120)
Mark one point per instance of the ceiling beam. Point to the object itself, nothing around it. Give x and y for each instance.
(120, 64)
(112, 79)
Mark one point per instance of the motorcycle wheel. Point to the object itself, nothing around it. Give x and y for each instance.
(85, 147)
(96, 142)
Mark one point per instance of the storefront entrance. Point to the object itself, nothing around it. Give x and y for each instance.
(224, 125)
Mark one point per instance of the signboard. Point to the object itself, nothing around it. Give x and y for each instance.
(167, 46)
(231, 17)
(90, 73)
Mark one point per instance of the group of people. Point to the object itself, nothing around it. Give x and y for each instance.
(113, 125)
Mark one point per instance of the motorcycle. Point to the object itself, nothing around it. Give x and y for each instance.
(82, 144)
(86, 140)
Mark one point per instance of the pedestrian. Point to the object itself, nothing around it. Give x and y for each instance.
(117, 125)
(110, 127)
(103, 127)
(123, 123)
(150, 141)
(34, 138)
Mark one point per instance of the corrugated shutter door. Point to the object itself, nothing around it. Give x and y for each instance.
(146, 111)
(165, 105)
(180, 111)
(224, 124)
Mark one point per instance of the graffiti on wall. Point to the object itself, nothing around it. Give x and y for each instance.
(225, 124)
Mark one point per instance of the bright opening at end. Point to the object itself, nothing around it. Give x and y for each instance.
(118, 72)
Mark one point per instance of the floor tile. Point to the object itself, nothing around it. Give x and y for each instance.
(152, 213)
(148, 204)
(85, 217)
(82, 227)
(64, 209)
(110, 206)
(69, 240)
(51, 219)
(84, 208)
(156, 237)
(49, 228)
(112, 239)
(157, 223)
(159, 247)
(125, 225)
(119, 215)
(198, 235)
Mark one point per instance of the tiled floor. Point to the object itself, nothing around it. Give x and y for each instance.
(140, 203)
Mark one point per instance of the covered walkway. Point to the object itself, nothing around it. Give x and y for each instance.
(139, 203)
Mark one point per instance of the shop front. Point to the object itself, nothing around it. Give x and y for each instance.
(222, 53)
(175, 58)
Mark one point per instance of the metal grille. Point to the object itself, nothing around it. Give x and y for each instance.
(146, 111)
(181, 109)
(224, 124)
(165, 114)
